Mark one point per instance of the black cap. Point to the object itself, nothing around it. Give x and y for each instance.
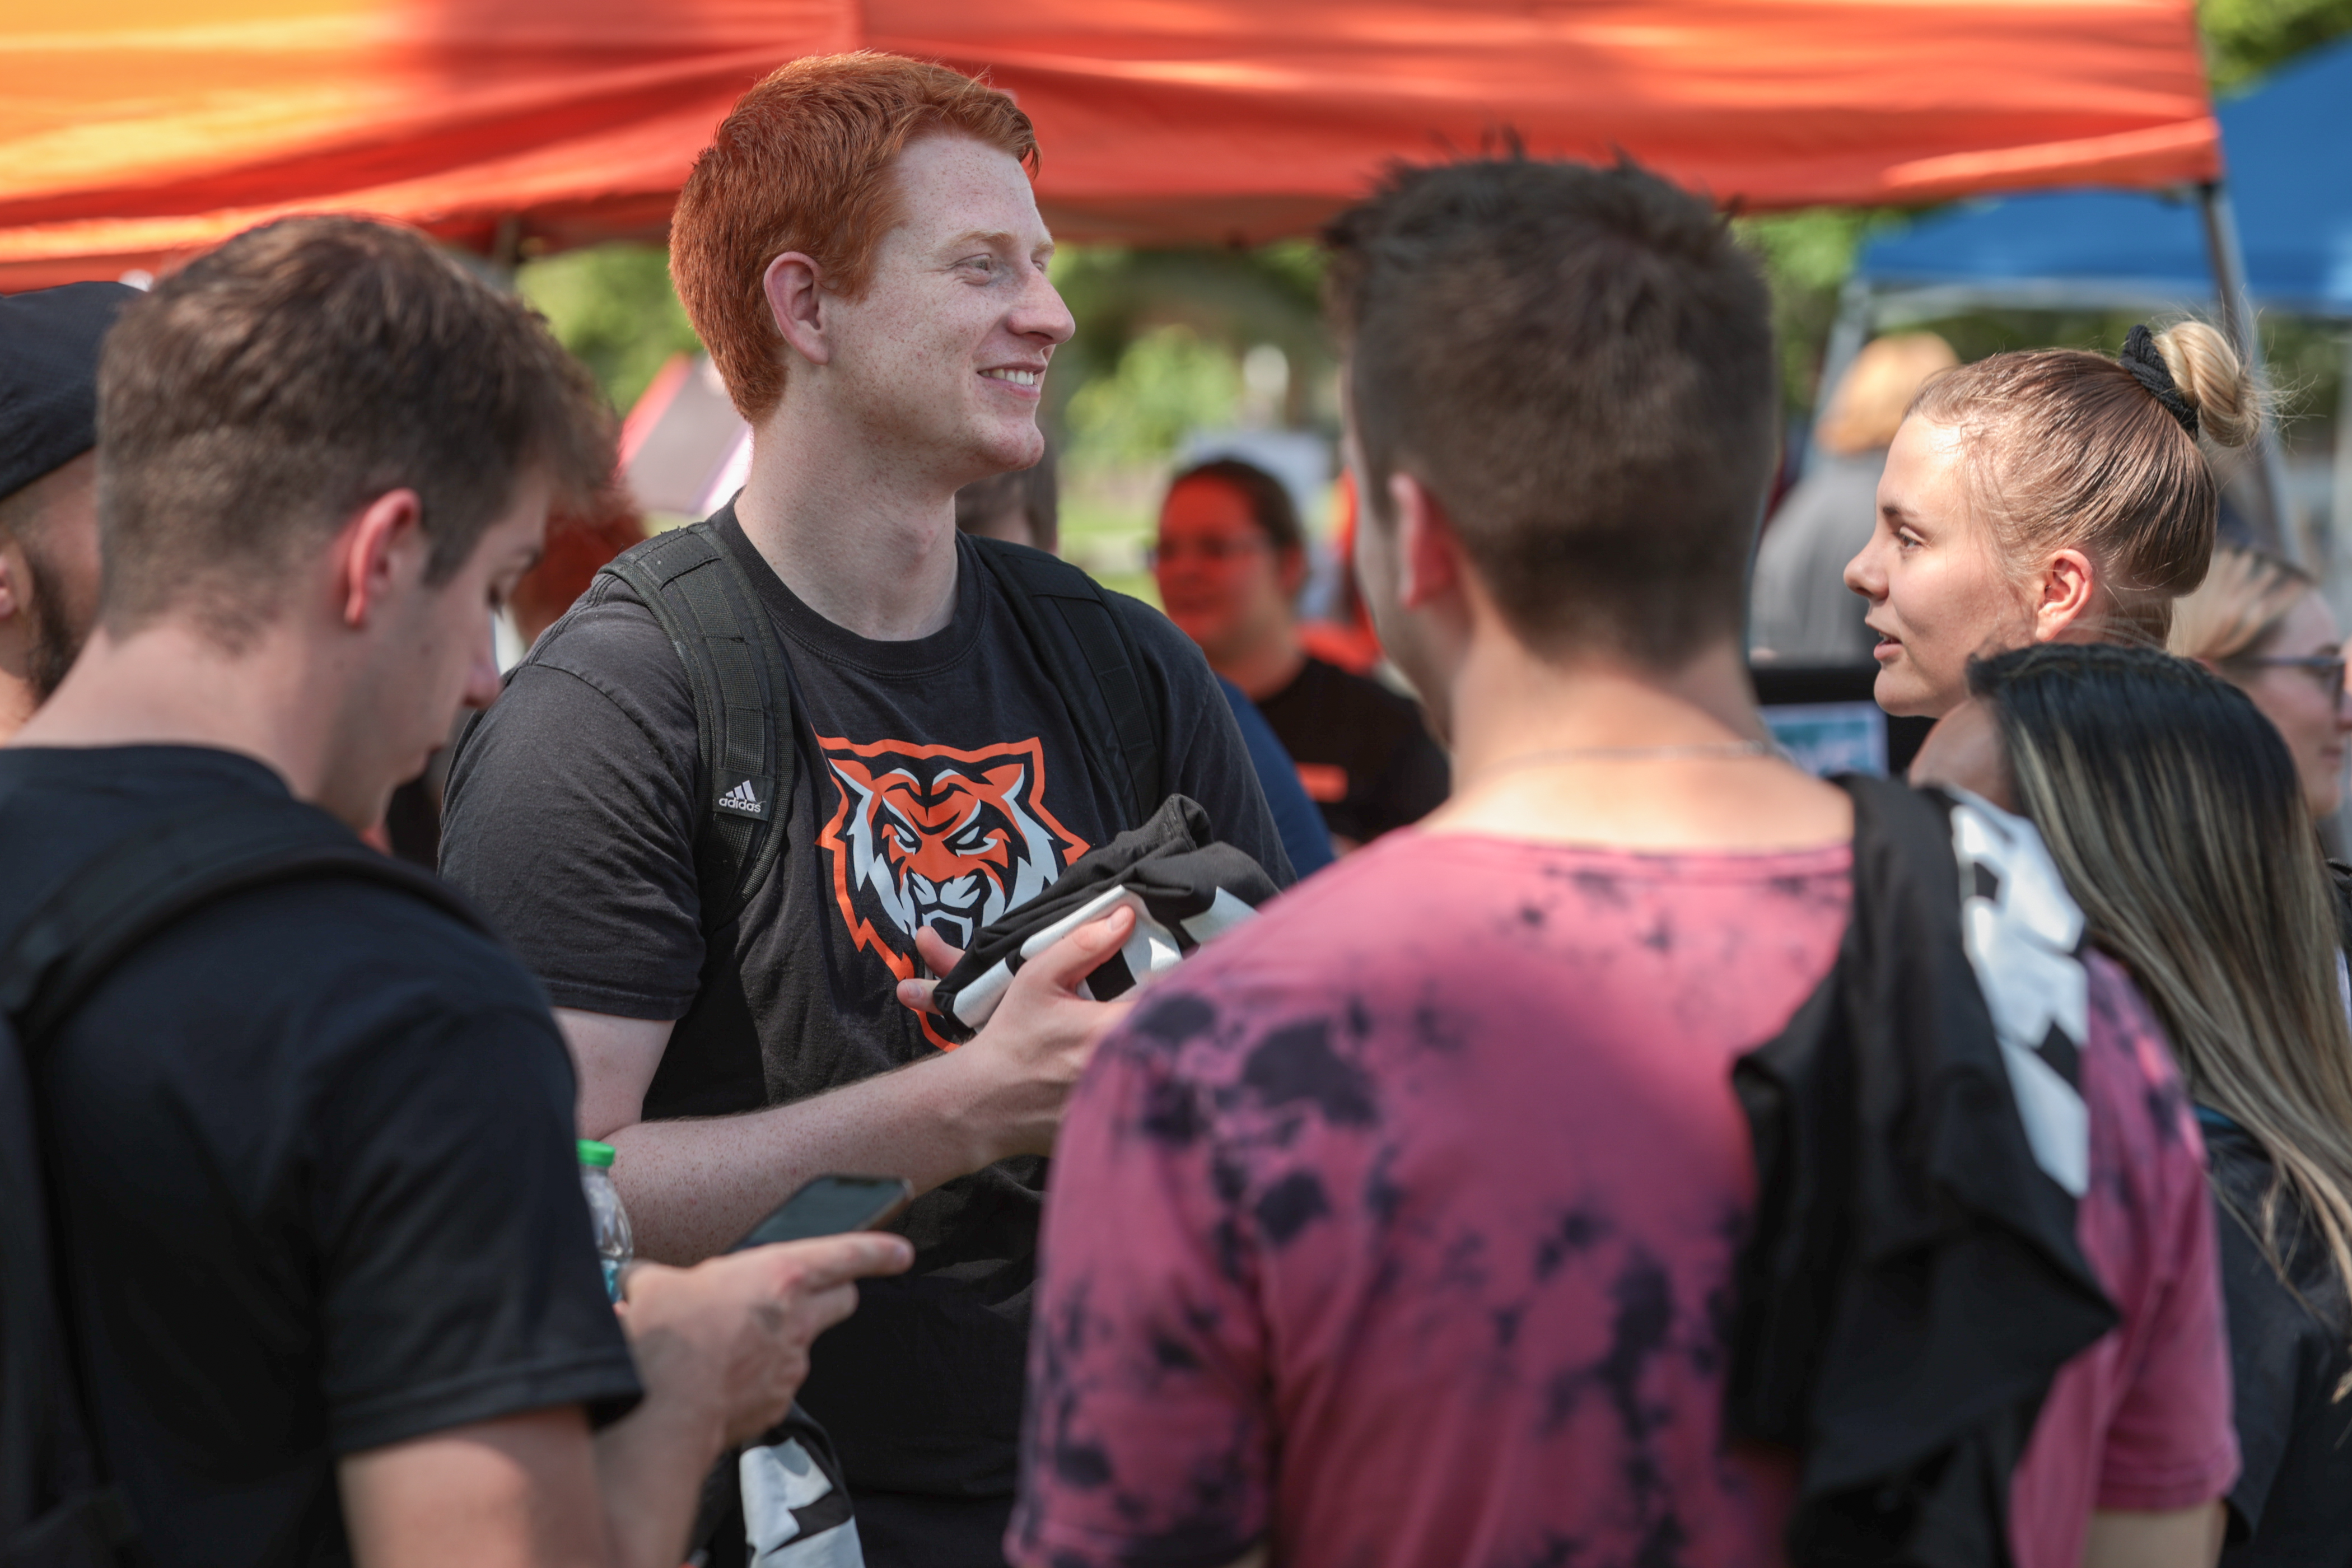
(48, 376)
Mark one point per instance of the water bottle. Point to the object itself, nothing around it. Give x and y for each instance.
(611, 1220)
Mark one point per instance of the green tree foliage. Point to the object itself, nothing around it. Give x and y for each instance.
(613, 306)
(2243, 39)
(1168, 382)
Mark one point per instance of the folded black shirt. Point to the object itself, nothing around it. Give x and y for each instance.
(1183, 887)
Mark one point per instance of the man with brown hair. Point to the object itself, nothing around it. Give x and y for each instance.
(1405, 1232)
(861, 250)
(323, 1254)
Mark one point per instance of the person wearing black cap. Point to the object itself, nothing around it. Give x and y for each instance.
(49, 497)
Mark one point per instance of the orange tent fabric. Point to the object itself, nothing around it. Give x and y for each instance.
(134, 130)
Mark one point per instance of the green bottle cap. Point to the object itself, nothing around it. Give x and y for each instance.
(595, 1154)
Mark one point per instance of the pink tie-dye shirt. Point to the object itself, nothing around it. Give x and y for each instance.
(1397, 1228)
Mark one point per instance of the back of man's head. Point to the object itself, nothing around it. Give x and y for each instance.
(803, 163)
(1577, 363)
(255, 399)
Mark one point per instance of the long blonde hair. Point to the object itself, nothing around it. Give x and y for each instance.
(2239, 607)
(2174, 814)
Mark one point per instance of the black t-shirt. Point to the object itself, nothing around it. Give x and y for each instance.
(1363, 752)
(2289, 1350)
(317, 1190)
(939, 781)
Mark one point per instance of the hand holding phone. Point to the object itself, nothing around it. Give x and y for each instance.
(832, 1206)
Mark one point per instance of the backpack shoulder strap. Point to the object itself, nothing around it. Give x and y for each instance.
(1068, 619)
(160, 873)
(707, 604)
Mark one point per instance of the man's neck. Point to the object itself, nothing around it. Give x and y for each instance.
(1602, 750)
(169, 685)
(862, 534)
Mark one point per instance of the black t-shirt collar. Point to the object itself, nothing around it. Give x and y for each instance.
(944, 649)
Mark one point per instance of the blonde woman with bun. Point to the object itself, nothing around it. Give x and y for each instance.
(1799, 611)
(2262, 626)
(2044, 496)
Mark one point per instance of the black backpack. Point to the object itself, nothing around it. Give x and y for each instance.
(703, 597)
(57, 1507)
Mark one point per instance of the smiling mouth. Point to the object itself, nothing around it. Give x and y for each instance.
(1017, 377)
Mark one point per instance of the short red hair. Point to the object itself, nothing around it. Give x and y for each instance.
(803, 163)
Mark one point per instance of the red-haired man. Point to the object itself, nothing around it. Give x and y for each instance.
(860, 249)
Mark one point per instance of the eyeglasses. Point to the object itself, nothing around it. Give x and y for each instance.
(1213, 552)
(2325, 668)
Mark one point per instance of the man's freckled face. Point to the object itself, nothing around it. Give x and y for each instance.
(946, 350)
(1938, 594)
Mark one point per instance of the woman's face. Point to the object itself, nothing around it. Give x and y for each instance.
(2305, 701)
(1938, 593)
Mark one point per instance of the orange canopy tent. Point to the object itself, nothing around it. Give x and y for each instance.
(132, 131)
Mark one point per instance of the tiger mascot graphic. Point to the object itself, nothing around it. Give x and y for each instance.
(934, 835)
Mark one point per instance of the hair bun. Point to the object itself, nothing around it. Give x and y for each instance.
(2214, 380)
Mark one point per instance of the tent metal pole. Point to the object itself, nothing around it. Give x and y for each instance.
(1848, 332)
(2237, 320)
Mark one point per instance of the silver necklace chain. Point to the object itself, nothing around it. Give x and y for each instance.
(1726, 750)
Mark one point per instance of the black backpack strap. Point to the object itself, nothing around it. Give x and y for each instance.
(707, 604)
(135, 888)
(1068, 619)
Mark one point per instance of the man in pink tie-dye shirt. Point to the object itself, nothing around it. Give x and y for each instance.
(1398, 1229)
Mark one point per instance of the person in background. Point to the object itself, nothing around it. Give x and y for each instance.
(1024, 507)
(2262, 626)
(1230, 559)
(321, 1241)
(1021, 505)
(1403, 1232)
(2046, 496)
(48, 499)
(2177, 816)
(580, 541)
(1799, 609)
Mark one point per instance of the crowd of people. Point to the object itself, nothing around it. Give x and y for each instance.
(1651, 1154)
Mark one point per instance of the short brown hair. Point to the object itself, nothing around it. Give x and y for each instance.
(2065, 450)
(262, 393)
(803, 163)
(1578, 363)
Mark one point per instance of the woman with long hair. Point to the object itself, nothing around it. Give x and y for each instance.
(2046, 496)
(2264, 626)
(2176, 815)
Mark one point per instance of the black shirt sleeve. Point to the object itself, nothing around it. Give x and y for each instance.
(571, 816)
(1416, 780)
(1204, 756)
(458, 1278)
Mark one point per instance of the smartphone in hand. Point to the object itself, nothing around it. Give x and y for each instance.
(832, 1206)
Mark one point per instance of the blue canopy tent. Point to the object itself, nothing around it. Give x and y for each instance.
(2289, 151)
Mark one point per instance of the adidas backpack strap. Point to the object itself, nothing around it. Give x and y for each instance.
(705, 601)
(56, 1510)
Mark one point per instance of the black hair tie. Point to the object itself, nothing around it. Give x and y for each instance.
(2147, 367)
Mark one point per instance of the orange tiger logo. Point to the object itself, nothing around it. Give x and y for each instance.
(933, 836)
